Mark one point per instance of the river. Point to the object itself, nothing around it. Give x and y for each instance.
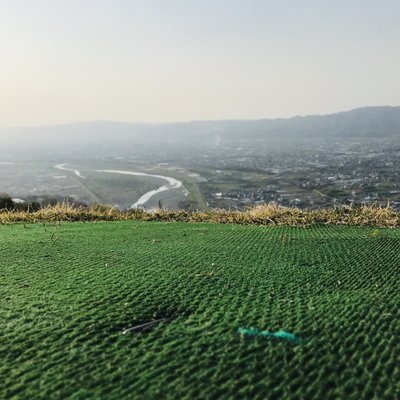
(172, 183)
(75, 171)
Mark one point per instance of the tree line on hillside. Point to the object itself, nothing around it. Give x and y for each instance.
(35, 203)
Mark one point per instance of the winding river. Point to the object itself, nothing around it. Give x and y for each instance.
(62, 167)
(172, 183)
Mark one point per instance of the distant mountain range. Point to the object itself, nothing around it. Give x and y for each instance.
(369, 122)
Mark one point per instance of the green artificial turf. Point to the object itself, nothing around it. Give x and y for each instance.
(70, 293)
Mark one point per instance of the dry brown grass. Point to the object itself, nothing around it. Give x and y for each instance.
(261, 215)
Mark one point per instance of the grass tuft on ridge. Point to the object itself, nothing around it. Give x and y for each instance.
(271, 214)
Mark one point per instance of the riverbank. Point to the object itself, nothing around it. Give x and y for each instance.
(171, 194)
(142, 202)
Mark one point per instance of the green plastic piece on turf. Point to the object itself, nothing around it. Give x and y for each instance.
(284, 335)
(278, 334)
(375, 233)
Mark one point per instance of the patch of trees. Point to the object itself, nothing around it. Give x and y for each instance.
(6, 202)
(35, 203)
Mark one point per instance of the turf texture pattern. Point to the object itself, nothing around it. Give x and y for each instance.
(69, 294)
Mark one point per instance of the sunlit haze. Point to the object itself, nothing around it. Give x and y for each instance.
(162, 61)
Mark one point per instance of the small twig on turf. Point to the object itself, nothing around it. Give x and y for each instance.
(143, 326)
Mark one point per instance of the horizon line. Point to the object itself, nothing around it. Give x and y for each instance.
(49, 125)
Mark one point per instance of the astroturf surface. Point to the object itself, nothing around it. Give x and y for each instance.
(69, 292)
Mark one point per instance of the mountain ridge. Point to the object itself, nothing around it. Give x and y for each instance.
(372, 121)
(199, 121)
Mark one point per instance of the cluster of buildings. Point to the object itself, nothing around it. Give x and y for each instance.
(322, 175)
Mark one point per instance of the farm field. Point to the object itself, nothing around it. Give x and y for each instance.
(151, 310)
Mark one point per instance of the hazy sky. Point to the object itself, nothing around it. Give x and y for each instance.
(177, 60)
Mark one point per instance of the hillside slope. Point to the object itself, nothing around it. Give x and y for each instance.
(69, 293)
(366, 122)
